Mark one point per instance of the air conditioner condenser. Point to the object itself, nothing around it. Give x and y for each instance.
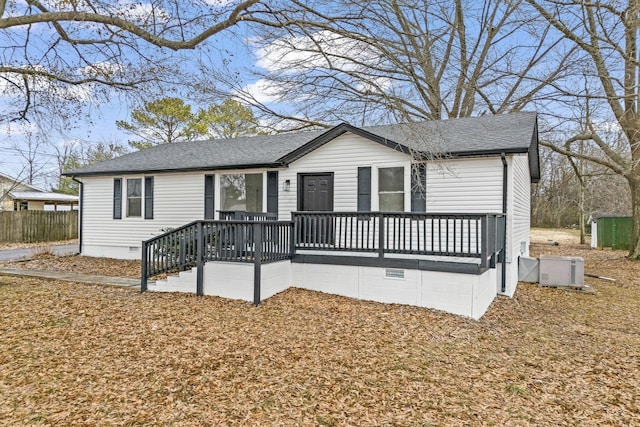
(561, 271)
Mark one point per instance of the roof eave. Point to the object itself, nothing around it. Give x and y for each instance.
(274, 165)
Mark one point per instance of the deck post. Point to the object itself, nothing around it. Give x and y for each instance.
(183, 253)
(257, 261)
(380, 235)
(484, 256)
(292, 237)
(144, 268)
(199, 260)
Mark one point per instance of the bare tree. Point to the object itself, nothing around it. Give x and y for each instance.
(75, 154)
(31, 152)
(407, 60)
(558, 199)
(58, 53)
(606, 33)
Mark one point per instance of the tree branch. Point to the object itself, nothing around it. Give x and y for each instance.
(55, 17)
(603, 162)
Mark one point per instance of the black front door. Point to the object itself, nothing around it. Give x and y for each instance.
(315, 193)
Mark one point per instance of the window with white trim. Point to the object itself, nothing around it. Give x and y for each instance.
(134, 197)
(391, 189)
(241, 192)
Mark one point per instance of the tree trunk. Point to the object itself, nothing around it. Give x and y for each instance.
(582, 183)
(581, 214)
(634, 185)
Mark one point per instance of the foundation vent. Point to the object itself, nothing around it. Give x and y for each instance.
(393, 273)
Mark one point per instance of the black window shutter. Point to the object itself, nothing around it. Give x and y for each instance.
(418, 187)
(272, 192)
(117, 198)
(209, 196)
(148, 197)
(364, 189)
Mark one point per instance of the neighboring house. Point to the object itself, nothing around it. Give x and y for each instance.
(418, 173)
(18, 196)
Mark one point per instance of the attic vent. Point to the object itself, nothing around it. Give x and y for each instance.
(393, 273)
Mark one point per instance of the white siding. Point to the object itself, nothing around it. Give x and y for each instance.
(521, 207)
(343, 156)
(465, 185)
(275, 277)
(519, 218)
(453, 185)
(178, 199)
(229, 280)
(463, 294)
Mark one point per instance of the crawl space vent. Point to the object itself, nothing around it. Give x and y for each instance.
(393, 273)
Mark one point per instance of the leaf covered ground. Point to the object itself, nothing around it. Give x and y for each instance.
(76, 354)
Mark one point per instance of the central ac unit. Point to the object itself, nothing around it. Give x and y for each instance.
(561, 270)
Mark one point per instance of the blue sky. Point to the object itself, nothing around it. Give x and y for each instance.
(93, 118)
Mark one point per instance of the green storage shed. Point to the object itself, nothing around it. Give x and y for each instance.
(611, 231)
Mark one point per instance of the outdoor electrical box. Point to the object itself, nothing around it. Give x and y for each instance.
(528, 270)
(561, 271)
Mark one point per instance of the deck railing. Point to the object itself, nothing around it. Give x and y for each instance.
(450, 235)
(387, 234)
(247, 216)
(194, 244)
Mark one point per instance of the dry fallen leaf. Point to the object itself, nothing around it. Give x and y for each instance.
(76, 354)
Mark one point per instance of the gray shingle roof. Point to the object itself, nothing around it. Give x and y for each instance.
(510, 133)
(505, 132)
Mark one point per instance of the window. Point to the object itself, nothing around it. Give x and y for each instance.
(134, 197)
(391, 189)
(241, 192)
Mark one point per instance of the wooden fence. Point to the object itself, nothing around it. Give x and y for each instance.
(38, 226)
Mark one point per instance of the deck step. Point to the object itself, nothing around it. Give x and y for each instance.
(185, 281)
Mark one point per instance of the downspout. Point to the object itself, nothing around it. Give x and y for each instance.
(80, 209)
(503, 286)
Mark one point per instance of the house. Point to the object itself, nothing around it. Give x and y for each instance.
(426, 203)
(18, 196)
(611, 230)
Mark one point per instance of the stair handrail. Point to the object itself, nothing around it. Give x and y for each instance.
(169, 251)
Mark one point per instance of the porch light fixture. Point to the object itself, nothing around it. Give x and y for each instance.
(286, 185)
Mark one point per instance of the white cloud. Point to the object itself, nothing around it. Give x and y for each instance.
(375, 85)
(323, 50)
(608, 126)
(102, 68)
(262, 91)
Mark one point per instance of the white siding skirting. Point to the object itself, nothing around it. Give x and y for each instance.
(468, 295)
